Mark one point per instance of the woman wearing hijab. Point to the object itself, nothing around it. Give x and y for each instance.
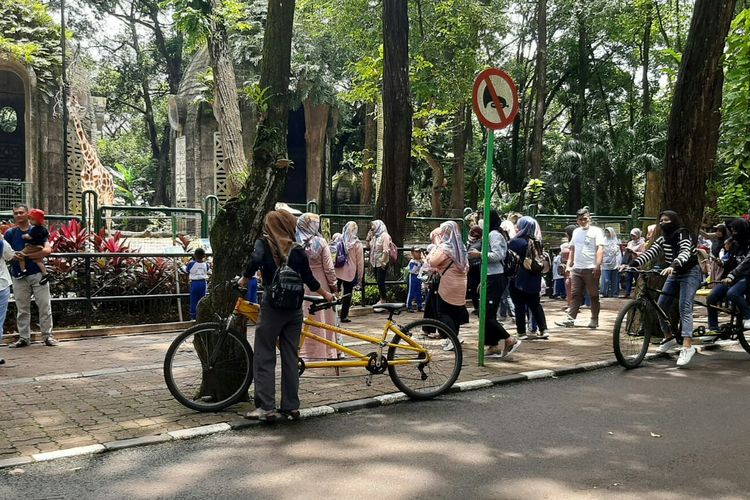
(611, 261)
(273, 248)
(450, 260)
(731, 283)
(496, 284)
(717, 239)
(526, 286)
(352, 272)
(380, 247)
(321, 264)
(635, 248)
(474, 276)
(683, 279)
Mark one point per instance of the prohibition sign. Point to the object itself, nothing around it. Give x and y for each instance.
(495, 99)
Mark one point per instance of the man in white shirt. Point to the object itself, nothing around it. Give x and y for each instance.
(585, 267)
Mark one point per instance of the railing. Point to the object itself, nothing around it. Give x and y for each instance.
(84, 282)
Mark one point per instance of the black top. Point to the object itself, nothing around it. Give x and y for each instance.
(263, 259)
(39, 235)
(678, 249)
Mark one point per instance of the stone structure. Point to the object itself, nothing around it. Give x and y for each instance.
(31, 145)
(197, 159)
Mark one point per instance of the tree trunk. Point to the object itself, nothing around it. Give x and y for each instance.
(578, 111)
(516, 174)
(438, 179)
(695, 117)
(226, 101)
(369, 154)
(316, 121)
(461, 132)
(397, 115)
(540, 83)
(653, 194)
(239, 222)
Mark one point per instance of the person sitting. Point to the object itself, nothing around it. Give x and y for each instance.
(732, 283)
(683, 280)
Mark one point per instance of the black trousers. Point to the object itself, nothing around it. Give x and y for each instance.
(494, 332)
(346, 302)
(473, 280)
(380, 273)
(522, 300)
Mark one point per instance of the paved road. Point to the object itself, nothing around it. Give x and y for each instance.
(655, 432)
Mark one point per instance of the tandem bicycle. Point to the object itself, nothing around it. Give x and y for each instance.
(639, 321)
(209, 366)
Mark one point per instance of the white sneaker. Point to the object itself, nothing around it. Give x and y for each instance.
(746, 324)
(666, 345)
(512, 349)
(448, 344)
(685, 356)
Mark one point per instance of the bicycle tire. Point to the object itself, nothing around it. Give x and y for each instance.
(742, 336)
(208, 389)
(631, 342)
(426, 381)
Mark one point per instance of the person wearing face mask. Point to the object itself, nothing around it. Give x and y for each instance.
(585, 266)
(683, 279)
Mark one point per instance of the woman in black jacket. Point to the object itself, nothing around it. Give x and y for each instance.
(275, 246)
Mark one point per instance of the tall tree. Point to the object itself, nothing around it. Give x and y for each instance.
(540, 83)
(397, 114)
(695, 117)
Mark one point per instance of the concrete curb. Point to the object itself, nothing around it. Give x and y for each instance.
(315, 411)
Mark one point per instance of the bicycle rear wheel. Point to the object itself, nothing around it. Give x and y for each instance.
(744, 337)
(631, 335)
(207, 370)
(432, 377)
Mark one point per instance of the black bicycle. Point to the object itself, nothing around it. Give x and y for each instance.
(639, 321)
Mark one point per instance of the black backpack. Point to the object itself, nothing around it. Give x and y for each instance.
(287, 291)
(511, 263)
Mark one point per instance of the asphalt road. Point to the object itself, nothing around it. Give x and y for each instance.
(655, 432)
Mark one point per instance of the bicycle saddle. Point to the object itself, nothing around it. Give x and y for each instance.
(394, 308)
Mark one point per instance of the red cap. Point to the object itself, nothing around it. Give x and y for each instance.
(37, 215)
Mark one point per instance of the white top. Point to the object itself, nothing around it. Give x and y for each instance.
(586, 242)
(556, 268)
(198, 271)
(7, 255)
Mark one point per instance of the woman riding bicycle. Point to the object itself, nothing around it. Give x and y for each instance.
(683, 277)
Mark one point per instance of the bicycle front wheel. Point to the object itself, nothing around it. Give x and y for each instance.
(426, 374)
(631, 335)
(208, 370)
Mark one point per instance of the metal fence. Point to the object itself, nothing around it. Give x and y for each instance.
(14, 191)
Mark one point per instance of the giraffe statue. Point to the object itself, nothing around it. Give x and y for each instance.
(93, 174)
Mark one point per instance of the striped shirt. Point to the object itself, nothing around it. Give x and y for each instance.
(679, 254)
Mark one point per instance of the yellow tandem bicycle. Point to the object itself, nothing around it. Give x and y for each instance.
(209, 366)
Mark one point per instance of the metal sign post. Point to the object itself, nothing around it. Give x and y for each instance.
(495, 101)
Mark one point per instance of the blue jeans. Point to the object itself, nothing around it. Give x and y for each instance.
(559, 288)
(630, 276)
(735, 294)
(685, 285)
(610, 286)
(4, 298)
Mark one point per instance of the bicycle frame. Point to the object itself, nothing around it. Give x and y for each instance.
(362, 359)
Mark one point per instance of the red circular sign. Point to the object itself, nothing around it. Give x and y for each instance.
(495, 99)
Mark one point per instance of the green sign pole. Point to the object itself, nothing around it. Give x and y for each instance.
(485, 242)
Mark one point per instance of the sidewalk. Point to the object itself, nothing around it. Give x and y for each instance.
(105, 389)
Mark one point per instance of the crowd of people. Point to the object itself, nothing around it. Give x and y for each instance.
(440, 277)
